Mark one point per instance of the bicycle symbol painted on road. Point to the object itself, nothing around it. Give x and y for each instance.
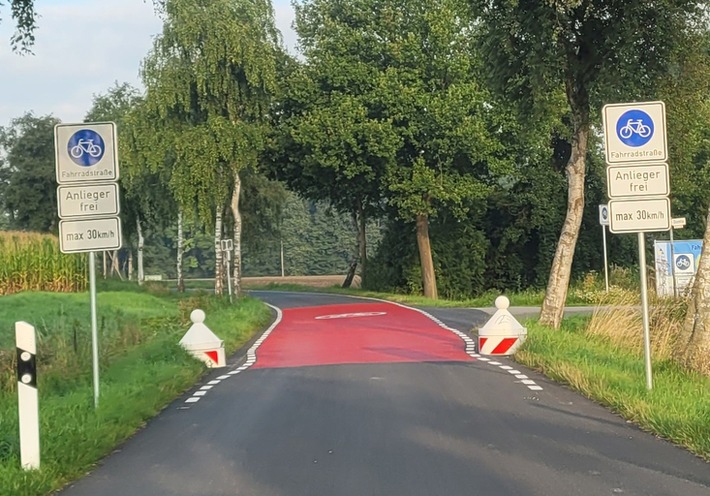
(634, 128)
(86, 147)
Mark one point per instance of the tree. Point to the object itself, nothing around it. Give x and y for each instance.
(686, 91)
(395, 114)
(592, 51)
(209, 78)
(28, 189)
(115, 106)
(24, 15)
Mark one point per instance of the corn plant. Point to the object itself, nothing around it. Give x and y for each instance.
(33, 262)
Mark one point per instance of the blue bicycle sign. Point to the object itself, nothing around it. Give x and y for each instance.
(682, 262)
(634, 128)
(86, 147)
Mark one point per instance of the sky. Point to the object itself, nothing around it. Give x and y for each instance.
(81, 48)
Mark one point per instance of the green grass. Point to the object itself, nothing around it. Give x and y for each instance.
(676, 408)
(138, 378)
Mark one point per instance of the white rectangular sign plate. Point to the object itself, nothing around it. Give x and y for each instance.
(86, 153)
(78, 236)
(642, 215)
(678, 222)
(637, 180)
(91, 201)
(635, 132)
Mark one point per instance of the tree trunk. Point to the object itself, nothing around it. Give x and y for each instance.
(180, 249)
(362, 240)
(237, 255)
(350, 274)
(130, 265)
(693, 348)
(553, 306)
(425, 258)
(218, 262)
(115, 267)
(141, 243)
(283, 270)
(352, 268)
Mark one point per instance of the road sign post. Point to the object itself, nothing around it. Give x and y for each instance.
(88, 201)
(636, 150)
(604, 221)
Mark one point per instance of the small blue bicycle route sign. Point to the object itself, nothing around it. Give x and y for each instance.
(683, 262)
(86, 147)
(634, 127)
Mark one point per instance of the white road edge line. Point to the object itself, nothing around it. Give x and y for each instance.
(470, 345)
(251, 358)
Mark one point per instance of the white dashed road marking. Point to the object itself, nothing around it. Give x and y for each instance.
(251, 353)
(471, 347)
(251, 359)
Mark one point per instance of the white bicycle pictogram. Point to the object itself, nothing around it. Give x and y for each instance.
(634, 127)
(682, 263)
(85, 146)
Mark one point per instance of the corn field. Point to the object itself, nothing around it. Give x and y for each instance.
(33, 262)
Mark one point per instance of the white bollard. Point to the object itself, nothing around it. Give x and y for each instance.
(202, 343)
(28, 403)
(502, 334)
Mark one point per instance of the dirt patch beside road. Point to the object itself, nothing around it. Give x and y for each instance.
(313, 281)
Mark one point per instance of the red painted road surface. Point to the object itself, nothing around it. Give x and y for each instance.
(357, 333)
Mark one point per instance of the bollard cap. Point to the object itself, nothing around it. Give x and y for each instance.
(199, 335)
(197, 316)
(502, 322)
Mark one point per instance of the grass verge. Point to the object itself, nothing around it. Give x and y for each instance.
(614, 376)
(139, 376)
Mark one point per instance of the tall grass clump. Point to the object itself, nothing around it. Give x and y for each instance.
(618, 320)
(590, 289)
(33, 262)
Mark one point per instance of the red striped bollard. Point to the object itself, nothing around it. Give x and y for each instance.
(502, 334)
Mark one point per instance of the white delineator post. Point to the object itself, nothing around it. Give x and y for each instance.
(502, 334)
(28, 403)
(202, 343)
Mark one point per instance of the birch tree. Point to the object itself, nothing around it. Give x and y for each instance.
(209, 78)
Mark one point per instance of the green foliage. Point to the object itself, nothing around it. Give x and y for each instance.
(24, 15)
(459, 250)
(115, 106)
(317, 240)
(27, 179)
(209, 78)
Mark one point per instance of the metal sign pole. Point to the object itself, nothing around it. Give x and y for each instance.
(606, 264)
(229, 275)
(644, 309)
(675, 286)
(94, 332)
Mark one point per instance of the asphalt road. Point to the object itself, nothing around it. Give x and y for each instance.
(418, 428)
